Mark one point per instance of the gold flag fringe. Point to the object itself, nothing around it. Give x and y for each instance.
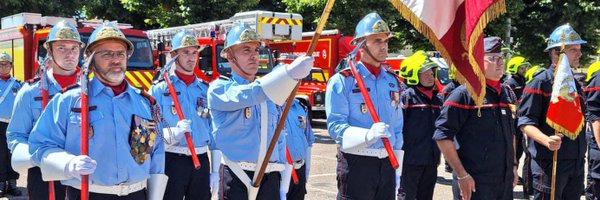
(558, 127)
(563, 130)
(495, 10)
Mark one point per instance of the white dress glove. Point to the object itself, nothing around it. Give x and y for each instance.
(80, 165)
(300, 68)
(174, 134)
(286, 178)
(378, 130)
(215, 162)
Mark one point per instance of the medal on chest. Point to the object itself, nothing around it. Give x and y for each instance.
(247, 112)
(201, 108)
(142, 137)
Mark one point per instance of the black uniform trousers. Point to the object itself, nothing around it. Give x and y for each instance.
(592, 191)
(6, 171)
(184, 179)
(418, 182)
(569, 178)
(526, 173)
(298, 191)
(75, 194)
(502, 190)
(232, 188)
(365, 177)
(38, 189)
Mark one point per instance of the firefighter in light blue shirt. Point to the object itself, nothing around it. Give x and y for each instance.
(299, 138)
(8, 89)
(184, 179)
(126, 154)
(364, 170)
(63, 46)
(245, 113)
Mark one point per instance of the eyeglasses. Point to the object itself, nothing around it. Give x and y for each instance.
(494, 58)
(5, 64)
(110, 55)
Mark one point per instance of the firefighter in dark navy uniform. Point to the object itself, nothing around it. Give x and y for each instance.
(592, 92)
(541, 139)
(516, 67)
(421, 106)
(484, 166)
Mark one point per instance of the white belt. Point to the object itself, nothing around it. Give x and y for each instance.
(298, 164)
(5, 120)
(271, 167)
(119, 190)
(185, 150)
(379, 153)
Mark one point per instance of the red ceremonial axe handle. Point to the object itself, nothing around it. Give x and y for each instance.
(288, 155)
(84, 141)
(369, 103)
(188, 137)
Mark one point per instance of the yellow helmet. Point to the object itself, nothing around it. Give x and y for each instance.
(413, 65)
(514, 63)
(591, 69)
(531, 71)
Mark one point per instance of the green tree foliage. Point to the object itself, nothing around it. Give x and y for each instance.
(61, 8)
(534, 20)
(346, 14)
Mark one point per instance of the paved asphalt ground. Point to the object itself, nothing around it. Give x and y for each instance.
(322, 182)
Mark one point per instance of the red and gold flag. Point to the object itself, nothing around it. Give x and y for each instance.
(455, 28)
(564, 111)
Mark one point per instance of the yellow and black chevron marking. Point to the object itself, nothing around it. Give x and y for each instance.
(282, 21)
(140, 79)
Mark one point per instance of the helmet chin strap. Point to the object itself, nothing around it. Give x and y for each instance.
(237, 65)
(370, 54)
(182, 68)
(55, 63)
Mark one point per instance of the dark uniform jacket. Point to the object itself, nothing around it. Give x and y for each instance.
(592, 93)
(516, 83)
(532, 111)
(448, 89)
(420, 113)
(484, 133)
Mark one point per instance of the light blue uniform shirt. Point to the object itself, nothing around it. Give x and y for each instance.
(7, 104)
(60, 127)
(345, 104)
(26, 110)
(300, 135)
(236, 135)
(193, 103)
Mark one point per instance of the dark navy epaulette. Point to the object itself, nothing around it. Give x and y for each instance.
(346, 72)
(156, 82)
(33, 80)
(148, 96)
(70, 87)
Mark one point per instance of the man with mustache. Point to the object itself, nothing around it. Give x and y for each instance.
(8, 89)
(364, 170)
(542, 141)
(484, 165)
(126, 154)
(63, 46)
(186, 182)
(245, 112)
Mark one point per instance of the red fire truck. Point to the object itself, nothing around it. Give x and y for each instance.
(23, 35)
(270, 26)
